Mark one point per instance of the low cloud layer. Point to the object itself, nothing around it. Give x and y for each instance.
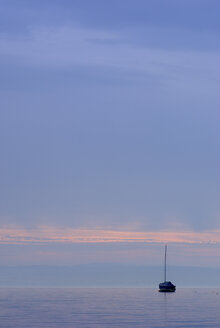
(46, 234)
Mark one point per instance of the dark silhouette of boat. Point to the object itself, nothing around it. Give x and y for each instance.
(166, 286)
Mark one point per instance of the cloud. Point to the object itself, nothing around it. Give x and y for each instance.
(50, 234)
(69, 47)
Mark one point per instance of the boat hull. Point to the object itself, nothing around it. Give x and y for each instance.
(167, 290)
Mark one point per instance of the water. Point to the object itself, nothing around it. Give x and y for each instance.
(108, 307)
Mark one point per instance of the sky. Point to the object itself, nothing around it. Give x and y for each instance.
(109, 132)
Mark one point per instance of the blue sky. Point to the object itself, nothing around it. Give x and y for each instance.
(110, 118)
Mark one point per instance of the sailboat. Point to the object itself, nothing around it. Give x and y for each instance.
(166, 286)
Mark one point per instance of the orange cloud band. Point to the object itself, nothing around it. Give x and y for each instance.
(47, 234)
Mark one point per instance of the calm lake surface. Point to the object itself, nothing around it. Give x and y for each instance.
(108, 307)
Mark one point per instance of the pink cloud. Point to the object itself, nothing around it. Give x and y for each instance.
(50, 234)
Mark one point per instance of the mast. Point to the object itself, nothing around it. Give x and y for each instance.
(165, 264)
